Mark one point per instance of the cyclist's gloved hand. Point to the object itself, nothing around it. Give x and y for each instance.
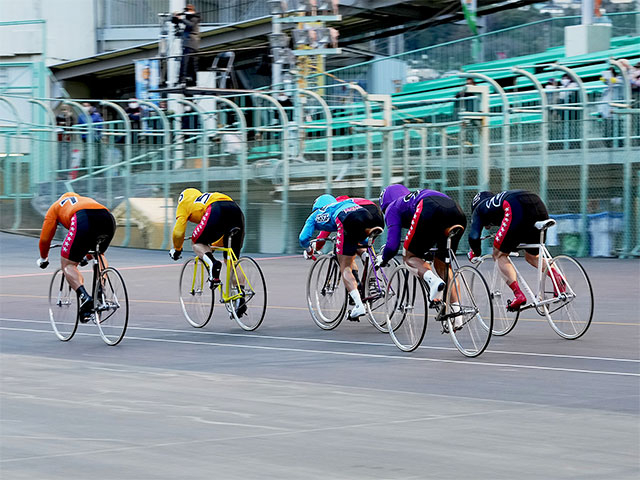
(308, 254)
(175, 254)
(43, 262)
(472, 256)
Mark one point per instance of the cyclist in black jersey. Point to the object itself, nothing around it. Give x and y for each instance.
(516, 212)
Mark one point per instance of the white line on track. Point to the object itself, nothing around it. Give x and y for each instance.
(349, 354)
(347, 342)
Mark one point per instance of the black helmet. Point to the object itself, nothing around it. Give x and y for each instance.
(480, 197)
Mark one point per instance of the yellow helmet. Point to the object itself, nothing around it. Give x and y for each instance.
(189, 195)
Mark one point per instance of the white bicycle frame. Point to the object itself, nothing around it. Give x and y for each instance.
(544, 265)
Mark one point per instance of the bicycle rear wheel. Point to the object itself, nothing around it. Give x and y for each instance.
(503, 320)
(326, 294)
(111, 306)
(406, 310)
(63, 307)
(570, 315)
(376, 294)
(469, 311)
(196, 297)
(249, 310)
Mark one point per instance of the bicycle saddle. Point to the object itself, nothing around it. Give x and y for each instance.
(544, 224)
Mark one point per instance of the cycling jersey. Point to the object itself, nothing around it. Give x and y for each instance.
(63, 212)
(516, 211)
(217, 222)
(365, 203)
(193, 212)
(399, 214)
(324, 219)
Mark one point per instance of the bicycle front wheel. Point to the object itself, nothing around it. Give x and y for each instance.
(406, 309)
(469, 311)
(63, 307)
(196, 297)
(503, 320)
(571, 313)
(111, 306)
(326, 294)
(249, 310)
(376, 294)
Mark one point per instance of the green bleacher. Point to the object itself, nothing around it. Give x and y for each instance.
(433, 100)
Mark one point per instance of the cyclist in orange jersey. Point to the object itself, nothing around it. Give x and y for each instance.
(88, 222)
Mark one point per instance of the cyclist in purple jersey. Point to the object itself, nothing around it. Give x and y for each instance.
(427, 214)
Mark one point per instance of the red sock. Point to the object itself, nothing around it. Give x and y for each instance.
(520, 297)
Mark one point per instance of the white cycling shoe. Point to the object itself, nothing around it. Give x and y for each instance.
(436, 285)
(357, 311)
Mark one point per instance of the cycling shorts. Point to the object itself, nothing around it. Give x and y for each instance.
(352, 225)
(86, 228)
(433, 215)
(376, 213)
(521, 212)
(218, 220)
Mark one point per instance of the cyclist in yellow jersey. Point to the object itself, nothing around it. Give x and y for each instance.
(216, 215)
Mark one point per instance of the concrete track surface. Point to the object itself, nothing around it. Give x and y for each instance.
(290, 401)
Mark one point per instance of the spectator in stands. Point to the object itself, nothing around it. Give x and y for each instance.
(96, 120)
(190, 23)
(551, 91)
(612, 91)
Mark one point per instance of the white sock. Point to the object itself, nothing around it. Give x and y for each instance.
(457, 321)
(355, 295)
(207, 261)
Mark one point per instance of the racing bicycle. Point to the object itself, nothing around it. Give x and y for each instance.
(110, 309)
(567, 307)
(243, 292)
(465, 310)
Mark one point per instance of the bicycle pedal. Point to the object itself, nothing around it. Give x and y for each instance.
(352, 319)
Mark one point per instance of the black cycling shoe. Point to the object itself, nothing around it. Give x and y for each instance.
(86, 309)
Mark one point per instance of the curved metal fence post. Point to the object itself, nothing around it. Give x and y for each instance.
(242, 122)
(17, 206)
(544, 132)
(584, 166)
(127, 163)
(506, 131)
(89, 144)
(285, 160)
(627, 176)
(165, 155)
(53, 155)
(329, 135)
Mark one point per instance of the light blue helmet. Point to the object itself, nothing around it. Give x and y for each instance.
(323, 201)
(391, 193)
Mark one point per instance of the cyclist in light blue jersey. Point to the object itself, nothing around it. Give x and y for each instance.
(353, 224)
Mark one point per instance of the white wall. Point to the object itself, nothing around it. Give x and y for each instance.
(71, 32)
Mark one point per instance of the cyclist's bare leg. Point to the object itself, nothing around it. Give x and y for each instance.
(504, 265)
(416, 265)
(346, 262)
(441, 268)
(71, 273)
(200, 249)
(508, 272)
(531, 259)
(205, 254)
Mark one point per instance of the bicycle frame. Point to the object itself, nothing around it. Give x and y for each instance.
(232, 266)
(544, 265)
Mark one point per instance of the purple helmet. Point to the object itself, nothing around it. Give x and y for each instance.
(391, 193)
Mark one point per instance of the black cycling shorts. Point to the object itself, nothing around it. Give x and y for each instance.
(433, 215)
(86, 228)
(521, 212)
(352, 225)
(217, 222)
(376, 213)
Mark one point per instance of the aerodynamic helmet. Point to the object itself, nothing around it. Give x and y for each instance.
(323, 201)
(189, 195)
(391, 193)
(480, 197)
